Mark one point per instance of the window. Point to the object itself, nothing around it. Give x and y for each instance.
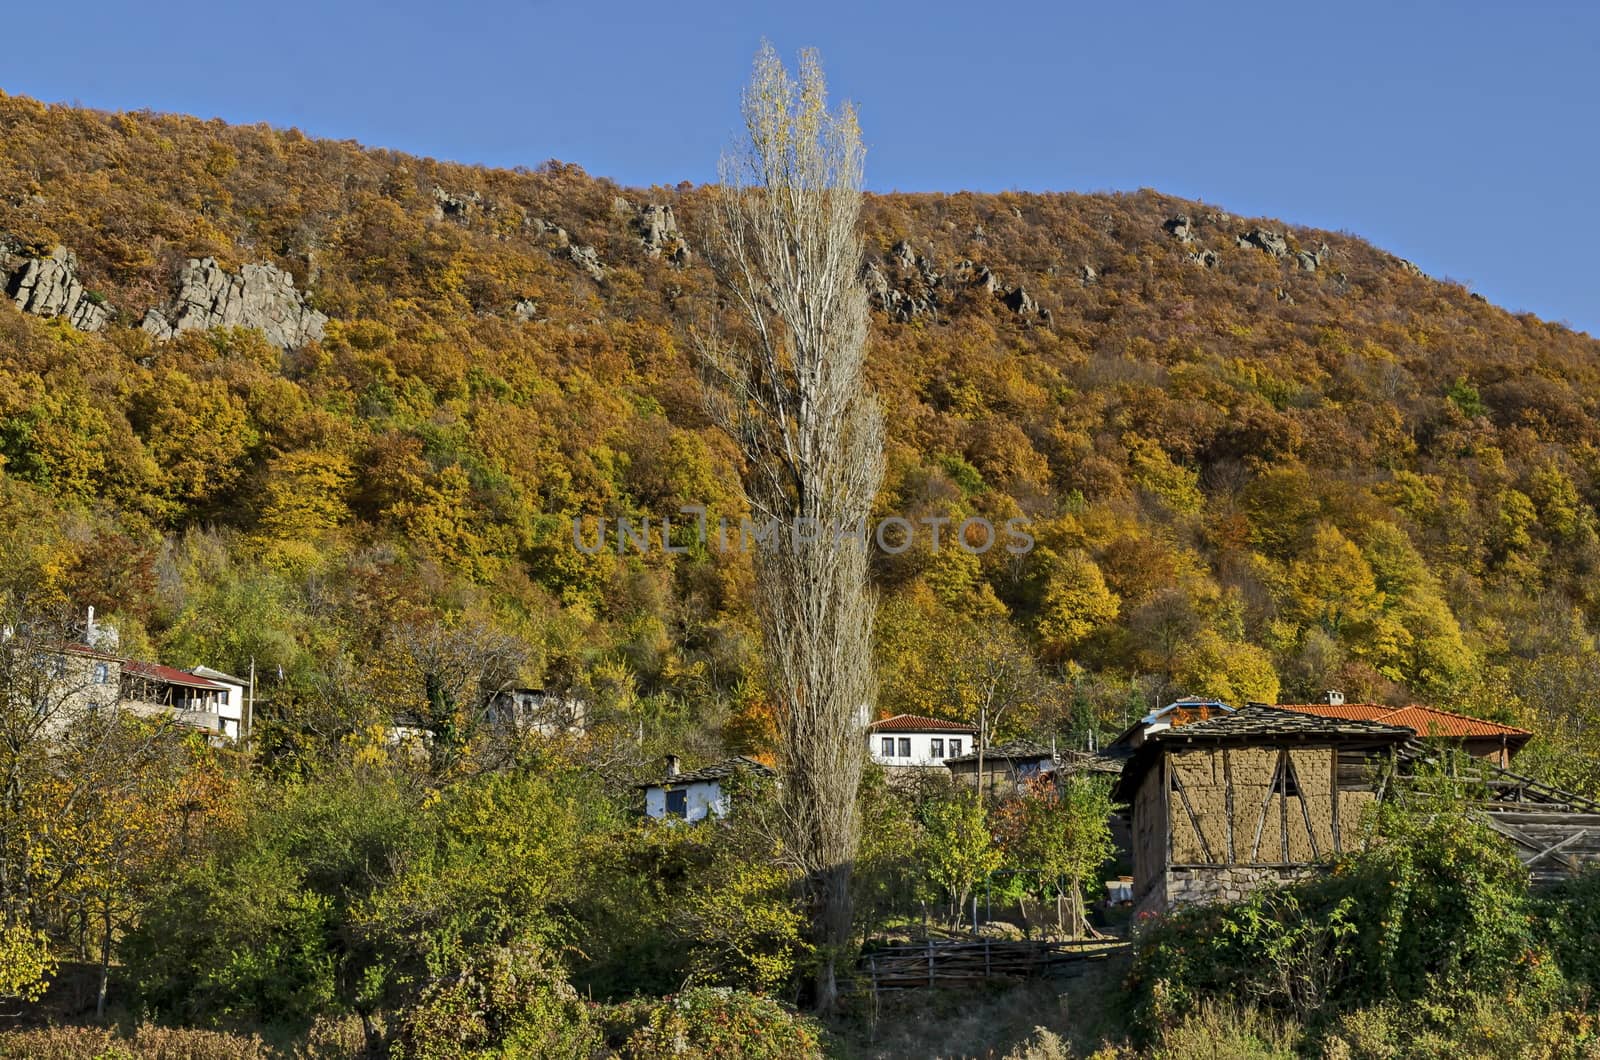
(677, 804)
(1285, 782)
(905, 747)
(102, 674)
(936, 747)
(888, 747)
(955, 748)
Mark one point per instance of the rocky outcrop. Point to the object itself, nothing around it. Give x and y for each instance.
(1407, 266)
(588, 259)
(1180, 228)
(1209, 259)
(908, 285)
(1019, 301)
(1262, 239)
(259, 296)
(525, 310)
(912, 288)
(1088, 275)
(49, 287)
(454, 206)
(658, 229)
(540, 227)
(1311, 260)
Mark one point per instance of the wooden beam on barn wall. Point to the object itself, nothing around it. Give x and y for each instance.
(1305, 809)
(1261, 821)
(1227, 794)
(1281, 780)
(1333, 794)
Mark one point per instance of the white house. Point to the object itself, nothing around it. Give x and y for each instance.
(231, 708)
(524, 710)
(699, 794)
(913, 741)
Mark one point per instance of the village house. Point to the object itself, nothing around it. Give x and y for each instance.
(1179, 712)
(1242, 798)
(86, 681)
(511, 713)
(154, 690)
(234, 707)
(701, 794)
(535, 710)
(1488, 740)
(911, 741)
(1006, 767)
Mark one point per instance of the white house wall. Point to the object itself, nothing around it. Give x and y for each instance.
(922, 754)
(702, 799)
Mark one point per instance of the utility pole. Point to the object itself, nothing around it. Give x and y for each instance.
(250, 704)
(983, 740)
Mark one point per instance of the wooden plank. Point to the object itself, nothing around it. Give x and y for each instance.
(1547, 851)
(1305, 808)
(1529, 817)
(1333, 797)
(1261, 826)
(1282, 780)
(1227, 790)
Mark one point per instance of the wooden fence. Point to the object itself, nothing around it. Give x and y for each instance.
(929, 964)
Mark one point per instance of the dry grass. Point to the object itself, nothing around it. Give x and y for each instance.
(1077, 1014)
(145, 1043)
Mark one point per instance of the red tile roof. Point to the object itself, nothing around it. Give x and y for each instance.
(1426, 721)
(169, 676)
(918, 723)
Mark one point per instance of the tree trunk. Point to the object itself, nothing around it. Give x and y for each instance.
(105, 961)
(832, 930)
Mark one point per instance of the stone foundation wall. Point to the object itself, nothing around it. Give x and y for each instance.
(1224, 883)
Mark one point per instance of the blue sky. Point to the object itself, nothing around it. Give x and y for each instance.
(1460, 135)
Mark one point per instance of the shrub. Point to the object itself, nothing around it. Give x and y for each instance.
(709, 1023)
(1438, 910)
(510, 1000)
(1569, 919)
(1217, 1031)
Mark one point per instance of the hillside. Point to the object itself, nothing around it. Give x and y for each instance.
(1260, 460)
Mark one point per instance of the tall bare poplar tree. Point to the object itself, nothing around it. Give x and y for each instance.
(785, 381)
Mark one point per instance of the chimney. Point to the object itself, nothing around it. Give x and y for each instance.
(1333, 698)
(672, 765)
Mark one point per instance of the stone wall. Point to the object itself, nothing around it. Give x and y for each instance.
(1224, 883)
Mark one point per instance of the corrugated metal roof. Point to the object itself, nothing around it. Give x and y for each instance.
(1426, 721)
(169, 676)
(919, 723)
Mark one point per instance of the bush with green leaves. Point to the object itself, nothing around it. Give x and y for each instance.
(508, 1001)
(712, 905)
(1437, 909)
(709, 1023)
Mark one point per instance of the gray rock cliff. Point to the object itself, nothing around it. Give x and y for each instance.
(259, 296)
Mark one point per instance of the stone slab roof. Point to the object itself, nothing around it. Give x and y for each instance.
(723, 770)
